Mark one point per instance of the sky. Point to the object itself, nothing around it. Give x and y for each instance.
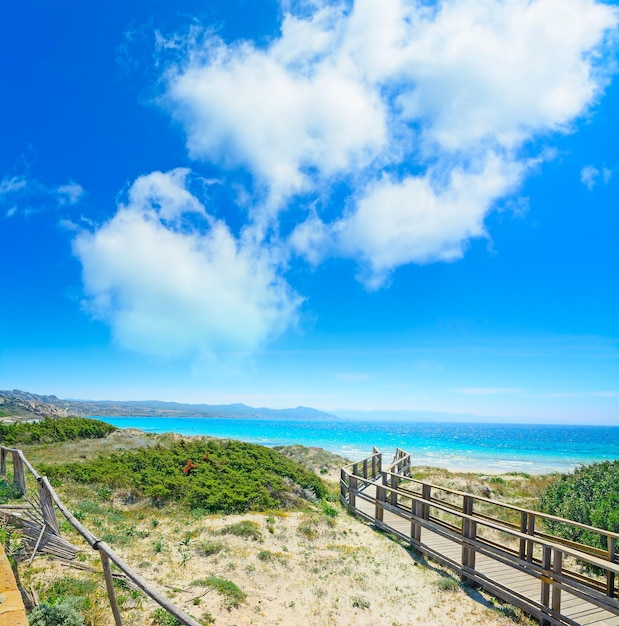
(378, 205)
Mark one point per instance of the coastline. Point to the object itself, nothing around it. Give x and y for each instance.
(464, 448)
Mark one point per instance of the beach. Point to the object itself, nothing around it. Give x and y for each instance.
(487, 448)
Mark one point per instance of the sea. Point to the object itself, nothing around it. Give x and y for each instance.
(474, 447)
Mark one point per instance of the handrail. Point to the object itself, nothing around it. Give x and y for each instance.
(539, 554)
(513, 507)
(48, 494)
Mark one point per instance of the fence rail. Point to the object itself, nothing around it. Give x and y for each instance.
(501, 547)
(48, 498)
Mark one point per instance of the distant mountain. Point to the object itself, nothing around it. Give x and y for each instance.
(23, 404)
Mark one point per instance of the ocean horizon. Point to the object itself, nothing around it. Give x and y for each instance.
(482, 447)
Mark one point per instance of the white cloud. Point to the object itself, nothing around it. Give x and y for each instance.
(423, 112)
(28, 196)
(69, 194)
(420, 219)
(589, 176)
(489, 391)
(171, 288)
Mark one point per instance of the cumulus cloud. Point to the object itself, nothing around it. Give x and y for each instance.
(176, 287)
(426, 114)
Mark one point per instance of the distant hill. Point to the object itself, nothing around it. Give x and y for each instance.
(22, 405)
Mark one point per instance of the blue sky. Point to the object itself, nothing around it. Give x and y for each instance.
(383, 204)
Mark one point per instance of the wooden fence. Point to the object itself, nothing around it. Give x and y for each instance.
(49, 501)
(502, 548)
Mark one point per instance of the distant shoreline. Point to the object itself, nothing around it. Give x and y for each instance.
(474, 448)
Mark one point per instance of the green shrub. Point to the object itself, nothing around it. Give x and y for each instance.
(62, 614)
(209, 475)
(590, 496)
(53, 430)
(8, 491)
(160, 617)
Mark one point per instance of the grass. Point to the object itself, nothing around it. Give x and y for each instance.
(233, 595)
(244, 528)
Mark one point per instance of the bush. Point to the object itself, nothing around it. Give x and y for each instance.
(53, 430)
(62, 614)
(590, 496)
(209, 475)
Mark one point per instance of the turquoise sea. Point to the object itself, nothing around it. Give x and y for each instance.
(527, 448)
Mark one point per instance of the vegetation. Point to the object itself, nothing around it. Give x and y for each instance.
(233, 595)
(590, 496)
(207, 475)
(62, 614)
(53, 430)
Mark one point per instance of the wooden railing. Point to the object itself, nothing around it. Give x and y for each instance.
(49, 501)
(507, 534)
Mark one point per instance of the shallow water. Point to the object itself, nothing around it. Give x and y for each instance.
(465, 447)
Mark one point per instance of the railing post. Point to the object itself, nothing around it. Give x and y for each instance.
(3, 463)
(557, 566)
(380, 463)
(352, 492)
(610, 576)
(523, 529)
(530, 531)
(343, 485)
(426, 494)
(395, 483)
(545, 593)
(109, 583)
(380, 499)
(47, 507)
(19, 477)
(365, 468)
(417, 511)
(469, 531)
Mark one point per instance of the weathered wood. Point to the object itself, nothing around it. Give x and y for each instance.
(557, 567)
(47, 507)
(36, 545)
(610, 576)
(19, 477)
(111, 592)
(564, 596)
(3, 453)
(185, 619)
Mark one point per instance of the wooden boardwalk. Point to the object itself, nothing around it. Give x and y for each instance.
(532, 570)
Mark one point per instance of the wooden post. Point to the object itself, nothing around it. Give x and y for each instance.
(523, 529)
(545, 594)
(469, 531)
(3, 463)
(19, 478)
(373, 466)
(380, 498)
(365, 468)
(352, 489)
(417, 511)
(47, 507)
(380, 463)
(530, 531)
(395, 483)
(610, 576)
(343, 486)
(426, 494)
(109, 583)
(557, 566)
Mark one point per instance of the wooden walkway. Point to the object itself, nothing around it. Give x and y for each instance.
(533, 570)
